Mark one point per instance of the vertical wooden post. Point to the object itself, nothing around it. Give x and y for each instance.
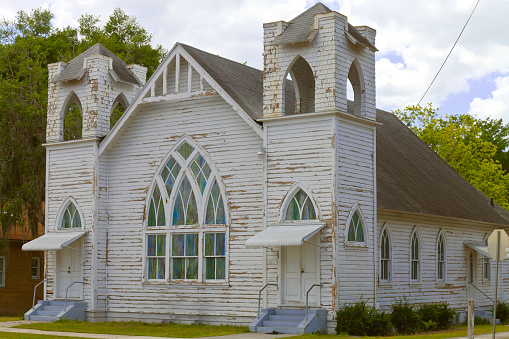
(470, 318)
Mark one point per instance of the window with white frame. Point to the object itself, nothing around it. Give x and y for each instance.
(300, 207)
(415, 258)
(2, 271)
(71, 217)
(355, 231)
(441, 256)
(186, 233)
(486, 264)
(36, 268)
(385, 256)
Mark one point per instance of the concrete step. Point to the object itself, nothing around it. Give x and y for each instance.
(278, 311)
(289, 330)
(53, 308)
(269, 323)
(58, 303)
(47, 313)
(42, 318)
(277, 317)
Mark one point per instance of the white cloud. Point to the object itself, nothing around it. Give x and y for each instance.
(497, 106)
(420, 32)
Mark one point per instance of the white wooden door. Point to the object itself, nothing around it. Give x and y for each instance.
(300, 271)
(69, 270)
(472, 275)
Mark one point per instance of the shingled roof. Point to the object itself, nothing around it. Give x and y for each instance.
(74, 70)
(410, 176)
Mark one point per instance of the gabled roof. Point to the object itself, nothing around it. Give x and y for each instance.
(74, 70)
(301, 28)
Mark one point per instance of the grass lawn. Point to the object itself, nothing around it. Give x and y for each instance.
(18, 317)
(455, 331)
(138, 328)
(31, 336)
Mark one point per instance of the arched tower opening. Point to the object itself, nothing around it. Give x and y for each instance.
(356, 81)
(303, 82)
(117, 109)
(72, 118)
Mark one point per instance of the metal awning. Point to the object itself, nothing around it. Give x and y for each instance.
(480, 247)
(53, 241)
(278, 235)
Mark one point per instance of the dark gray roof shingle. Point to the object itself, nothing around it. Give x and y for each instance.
(410, 176)
(74, 70)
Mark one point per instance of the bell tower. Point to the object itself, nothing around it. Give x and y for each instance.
(95, 81)
(319, 50)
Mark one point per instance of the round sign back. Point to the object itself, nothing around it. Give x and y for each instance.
(492, 244)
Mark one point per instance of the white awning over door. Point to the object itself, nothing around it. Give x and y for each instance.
(278, 235)
(53, 241)
(481, 248)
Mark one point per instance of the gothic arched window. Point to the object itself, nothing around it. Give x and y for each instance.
(300, 207)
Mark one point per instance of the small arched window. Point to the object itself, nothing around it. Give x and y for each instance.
(441, 256)
(415, 258)
(156, 209)
(356, 228)
(71, 217)
(385, 256)
(300, 207)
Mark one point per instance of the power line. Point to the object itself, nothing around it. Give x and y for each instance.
(459, 36)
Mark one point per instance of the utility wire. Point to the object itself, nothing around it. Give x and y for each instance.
(459, 36)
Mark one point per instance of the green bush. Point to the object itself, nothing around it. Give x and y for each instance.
(481, 321)
(405, 318)
(502, 312)
(360, 319)
(436, 316)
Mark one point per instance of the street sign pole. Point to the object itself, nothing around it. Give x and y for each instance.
(496, 287)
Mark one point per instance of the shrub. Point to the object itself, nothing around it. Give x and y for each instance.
(502, 312)
(481, 321)
(436, 316)
(360, 319)
(405, 318)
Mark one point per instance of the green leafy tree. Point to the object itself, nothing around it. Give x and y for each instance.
(463, 143)
(27, 45)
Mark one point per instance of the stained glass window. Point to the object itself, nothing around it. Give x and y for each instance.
(201, 172)
(385, 256)
(184, 253)
(300, 207)
(71, 217)
(355, 230)
(215, 207)
(185, 211)
(185, 150)
(156, 209)
(415, 256)
(169, 174)
(156, 256)
(215, 256)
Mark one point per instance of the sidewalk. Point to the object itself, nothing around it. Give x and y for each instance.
(7, 327)
(487, 336)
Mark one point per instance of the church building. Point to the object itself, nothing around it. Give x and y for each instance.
(223, 187)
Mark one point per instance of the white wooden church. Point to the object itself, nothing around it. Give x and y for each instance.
(221, 179)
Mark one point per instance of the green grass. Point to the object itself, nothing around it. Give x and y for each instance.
(14, 318)
(138, 328)
(455, 331)
(31, 336)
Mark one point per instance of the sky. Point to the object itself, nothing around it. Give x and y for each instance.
(413, 39)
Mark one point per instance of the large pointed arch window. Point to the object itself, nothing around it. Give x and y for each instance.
(187, 213)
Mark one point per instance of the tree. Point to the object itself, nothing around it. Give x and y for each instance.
(497, 133)
(463, 143)
(27, 45)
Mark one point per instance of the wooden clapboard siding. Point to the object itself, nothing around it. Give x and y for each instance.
(71, 171)
(453, 290)
(132, 163)
(300, 151)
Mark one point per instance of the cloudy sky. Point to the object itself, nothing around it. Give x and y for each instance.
(413, 38)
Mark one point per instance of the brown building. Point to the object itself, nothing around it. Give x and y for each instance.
(19, 273)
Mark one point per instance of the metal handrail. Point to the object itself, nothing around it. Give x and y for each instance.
(67, 290)
(35, 291)
(480, 291)
(260, 296)
(307, 296)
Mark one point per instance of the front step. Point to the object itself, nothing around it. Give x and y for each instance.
(291, 321)
(49, 310)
